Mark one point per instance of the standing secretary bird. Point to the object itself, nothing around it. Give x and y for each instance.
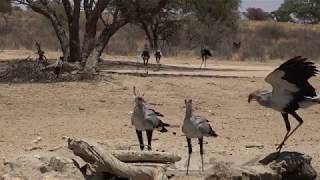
(195, 127)
(145, 119)
(290, 91)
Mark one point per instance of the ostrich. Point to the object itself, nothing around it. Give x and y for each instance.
(195, 127)
(58, 67)
(290, 91)
(158, 55)
(145, 56)
(204, 55)
(236, 46)
(145, 119)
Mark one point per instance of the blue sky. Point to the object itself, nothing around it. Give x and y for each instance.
(267, 5)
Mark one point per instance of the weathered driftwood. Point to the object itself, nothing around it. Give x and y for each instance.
(104, 161)
(145, 156)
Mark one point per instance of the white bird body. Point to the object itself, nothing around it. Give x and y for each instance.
(196, 127)
(144, 118)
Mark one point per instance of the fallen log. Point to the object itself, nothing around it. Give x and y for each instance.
(145, 156)
(104, 161)
(66, 67)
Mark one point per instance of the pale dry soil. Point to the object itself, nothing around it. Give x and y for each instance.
(101, 110)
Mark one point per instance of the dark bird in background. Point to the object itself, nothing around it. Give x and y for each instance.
(146, 119)
(204, 55)
(236, 46)
(290, 91)
(58, 67)
(158, 55)
(145, 55)
(195, 127)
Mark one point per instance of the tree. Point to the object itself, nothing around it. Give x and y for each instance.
(305, 11)
(215, 19)
(5, 7)
(113, 14)
(162, 26)
(257, 14)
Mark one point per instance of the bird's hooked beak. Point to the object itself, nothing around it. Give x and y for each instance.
(250, 97)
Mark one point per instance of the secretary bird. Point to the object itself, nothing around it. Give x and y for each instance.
(290, 91)
(204, 55)
(146, 119)
(195, 127)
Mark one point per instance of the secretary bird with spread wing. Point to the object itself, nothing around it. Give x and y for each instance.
(146, 119)
(290, 91)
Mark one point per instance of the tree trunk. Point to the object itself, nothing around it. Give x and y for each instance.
(92, 60)
(88, 41)
(148, 34)
(101, 43)
(92, 17)
(155, 41)
(63, 39)
(56, 23)
(5, 21)
(74, 38)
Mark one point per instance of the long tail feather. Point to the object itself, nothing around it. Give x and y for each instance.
(163, 129)
(162, 126)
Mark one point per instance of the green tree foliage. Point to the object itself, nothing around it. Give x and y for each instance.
(161, 26)
(306, 11)
(212, 21)
(257, 14)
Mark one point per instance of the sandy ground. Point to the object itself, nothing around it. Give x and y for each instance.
(101, 110)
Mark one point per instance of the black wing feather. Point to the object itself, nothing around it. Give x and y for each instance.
(156, 112)
(298, 71)
(205, 52)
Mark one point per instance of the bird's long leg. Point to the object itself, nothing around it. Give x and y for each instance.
(201, 150)
(190, 151)
(139, 134)
(147, 66)
(299, 119)
(286, 120)
(205, 62)
(149, 136)
(202, 61)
